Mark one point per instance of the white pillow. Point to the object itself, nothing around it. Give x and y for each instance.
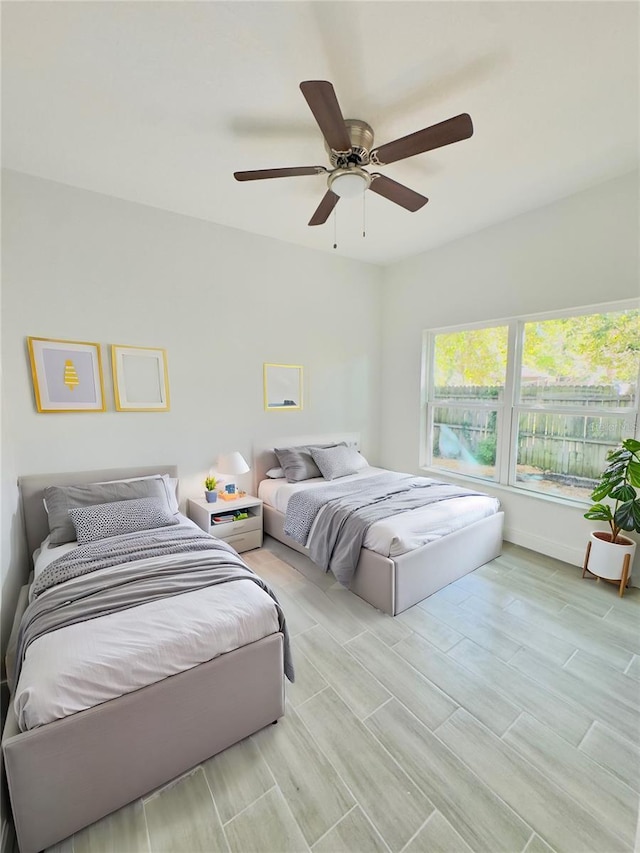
(172, 492)
(339, 461)
(276, 473)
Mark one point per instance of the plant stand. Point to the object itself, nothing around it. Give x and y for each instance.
(624, 578)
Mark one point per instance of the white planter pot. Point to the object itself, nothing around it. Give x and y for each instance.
(607, 560)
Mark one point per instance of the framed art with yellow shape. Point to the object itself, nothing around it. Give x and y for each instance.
(140, 379)
(282, 387)
(67, 375)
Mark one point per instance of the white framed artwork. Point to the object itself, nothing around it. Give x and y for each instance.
(140, 379)
(282, 387)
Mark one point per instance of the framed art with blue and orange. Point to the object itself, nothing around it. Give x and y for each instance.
(67, 375)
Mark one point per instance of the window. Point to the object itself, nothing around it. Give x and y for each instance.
(469, 375)
(536, 403)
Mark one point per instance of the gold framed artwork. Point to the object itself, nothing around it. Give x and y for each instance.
(67, 375)
(140, 379)
(282, 387)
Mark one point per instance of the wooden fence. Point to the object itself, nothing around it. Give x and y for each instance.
(602, 396)
(573, 446)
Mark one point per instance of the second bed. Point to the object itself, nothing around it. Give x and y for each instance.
(404, 558)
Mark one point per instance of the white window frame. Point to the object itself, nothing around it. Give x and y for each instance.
(509, 411)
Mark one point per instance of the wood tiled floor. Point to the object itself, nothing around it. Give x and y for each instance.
(501, 714)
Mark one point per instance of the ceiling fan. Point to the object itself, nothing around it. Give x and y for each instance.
(349, 145)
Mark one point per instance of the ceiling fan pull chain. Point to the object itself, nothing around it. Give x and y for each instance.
(364, 206)
(335, 229)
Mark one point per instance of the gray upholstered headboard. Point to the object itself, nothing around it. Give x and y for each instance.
(264, 457)
(32, 486)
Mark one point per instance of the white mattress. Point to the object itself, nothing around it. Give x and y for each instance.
(399, 533)
(86, 664)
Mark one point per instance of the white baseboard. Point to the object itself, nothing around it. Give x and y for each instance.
(544, 545)
(557, 550)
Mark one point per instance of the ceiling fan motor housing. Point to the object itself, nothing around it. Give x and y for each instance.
(361, 136)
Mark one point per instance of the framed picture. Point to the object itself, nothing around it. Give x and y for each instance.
(140, 379)
(282, 387)
(67, 375)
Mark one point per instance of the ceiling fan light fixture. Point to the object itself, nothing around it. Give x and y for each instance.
(349, 183)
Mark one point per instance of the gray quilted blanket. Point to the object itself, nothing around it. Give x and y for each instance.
(140, 571)
(130, 547)
(332, 521)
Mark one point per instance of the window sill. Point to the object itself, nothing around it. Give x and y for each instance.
(467, 480)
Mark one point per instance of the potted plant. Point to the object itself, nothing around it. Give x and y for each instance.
(210, 489)
(609, 554)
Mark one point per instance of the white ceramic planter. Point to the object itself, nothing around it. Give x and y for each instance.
(607, 560)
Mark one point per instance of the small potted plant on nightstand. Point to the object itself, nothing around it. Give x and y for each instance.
(610, 555)
(210, 489)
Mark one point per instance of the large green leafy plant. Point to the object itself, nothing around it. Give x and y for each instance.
(618, 483)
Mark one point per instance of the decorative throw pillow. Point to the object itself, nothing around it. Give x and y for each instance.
(297, 462)
(339, 461)
(114, 519)
(60, 499)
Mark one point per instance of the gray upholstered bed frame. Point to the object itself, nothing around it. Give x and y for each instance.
(395, 584)
(69, 773)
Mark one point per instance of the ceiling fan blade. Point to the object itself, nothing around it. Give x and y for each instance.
(329, 201)
(397, 193)
(321, 97)
(294, 171)
(452, 130)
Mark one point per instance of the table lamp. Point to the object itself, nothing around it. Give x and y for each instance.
(232, 463)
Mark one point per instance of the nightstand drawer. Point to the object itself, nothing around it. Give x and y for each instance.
(233, 528)
(246, 541)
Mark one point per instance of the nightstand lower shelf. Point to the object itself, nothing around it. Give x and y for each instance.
(244, 534)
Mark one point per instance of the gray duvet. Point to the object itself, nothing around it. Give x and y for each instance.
(133, 579)
(332, 521)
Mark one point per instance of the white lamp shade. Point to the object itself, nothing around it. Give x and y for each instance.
(232, 463)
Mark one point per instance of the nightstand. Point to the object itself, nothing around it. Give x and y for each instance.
(242, 535)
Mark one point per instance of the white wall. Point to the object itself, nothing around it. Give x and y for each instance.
(82, 266)
(581, 250)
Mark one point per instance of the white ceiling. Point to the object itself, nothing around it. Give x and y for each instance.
(160, 102)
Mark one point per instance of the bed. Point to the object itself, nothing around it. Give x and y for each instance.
(403, 575)
(71, 771)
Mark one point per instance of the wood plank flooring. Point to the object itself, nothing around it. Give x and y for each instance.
(501, 714)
